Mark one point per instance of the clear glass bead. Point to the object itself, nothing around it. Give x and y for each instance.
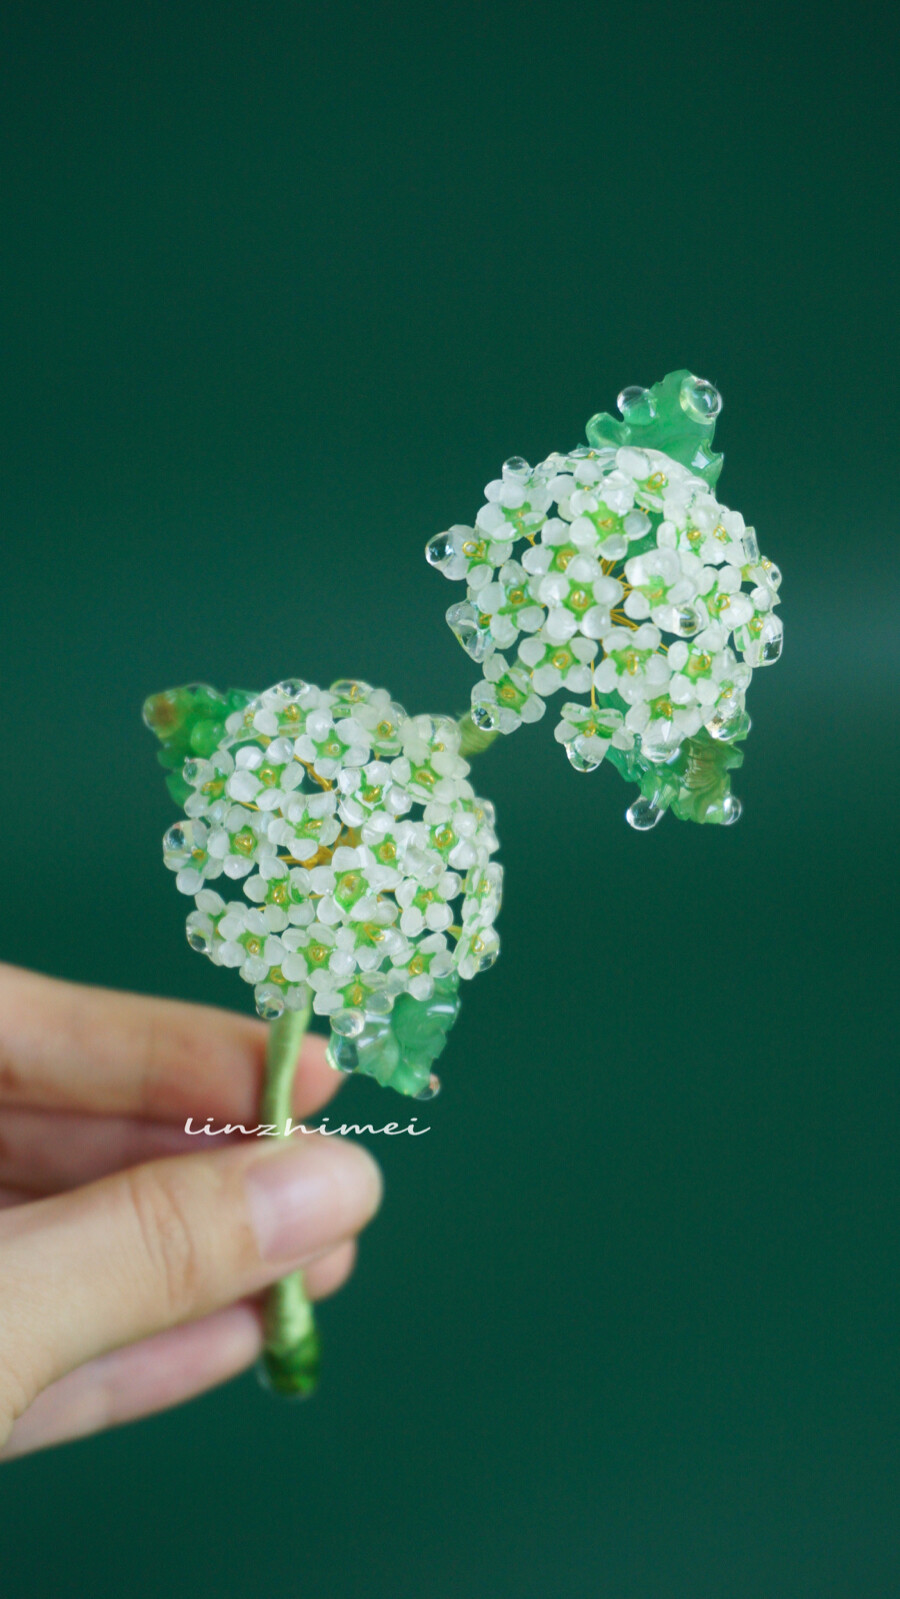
(439, 550)
(485, 948)
(269, 1001)
(381, 1003)
(643, 814)
(432, 1088)
(700, 400)
(578, 749)
(349, 688)
(729, 720)
(686, 621)
(465, 624)
(348, 1023)
(342, 1054)
(750, 546)
(199, 933)
(177, 843)
(636, 404)
(484, 716)
(771, 643)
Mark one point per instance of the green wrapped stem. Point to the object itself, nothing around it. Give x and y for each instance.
(290, 1358)
(474, 739)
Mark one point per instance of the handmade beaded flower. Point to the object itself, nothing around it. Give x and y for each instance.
(362, 853)
(615, 572)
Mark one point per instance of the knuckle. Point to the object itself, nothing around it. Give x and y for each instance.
(166, 1239)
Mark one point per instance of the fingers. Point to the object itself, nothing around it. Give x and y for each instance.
(139, 1380)
(161, 1244)
(67, 1047)
(161, 1371)
(45, 1151)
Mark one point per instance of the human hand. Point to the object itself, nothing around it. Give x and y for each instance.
(130, 1250)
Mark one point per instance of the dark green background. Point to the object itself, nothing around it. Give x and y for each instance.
(283, 285)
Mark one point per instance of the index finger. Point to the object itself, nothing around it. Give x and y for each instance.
(65, 1046)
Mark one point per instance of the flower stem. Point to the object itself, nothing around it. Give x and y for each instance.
(474, 739)
(290, 1358)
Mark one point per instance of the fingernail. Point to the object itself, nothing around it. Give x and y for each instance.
(310, 1196)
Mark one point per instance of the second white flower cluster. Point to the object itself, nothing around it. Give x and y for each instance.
(634, 586)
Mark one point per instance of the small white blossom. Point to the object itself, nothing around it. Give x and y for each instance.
(506, 698)
(586, 733)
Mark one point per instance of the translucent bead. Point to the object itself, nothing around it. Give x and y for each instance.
(177, 844)
(750, 545)
(686, 621)
(380, 1003)
(731, 810)
(659, 752)
(484, 716)
(439, 550)
(348, 1023)
(269, 1001)
(516, 467)
(432, 1088)
(199, 930)
(485, 947)
(729, 721)
(342, 1054)
(765, 648)
(643, 814)
(292, 687)
(700, 400)
(347, 688)
(465, 624)
(582, 753)
(636, 404)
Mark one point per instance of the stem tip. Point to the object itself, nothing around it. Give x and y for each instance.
(292, 1373)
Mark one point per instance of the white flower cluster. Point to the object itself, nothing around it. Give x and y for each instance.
(634, 584)
(353, 830)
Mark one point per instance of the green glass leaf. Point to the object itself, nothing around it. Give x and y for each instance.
(677, 416)
(189, 721)
(695, 784)
(399, 1050)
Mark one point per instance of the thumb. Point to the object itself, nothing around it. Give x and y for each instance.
(163, 1243)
